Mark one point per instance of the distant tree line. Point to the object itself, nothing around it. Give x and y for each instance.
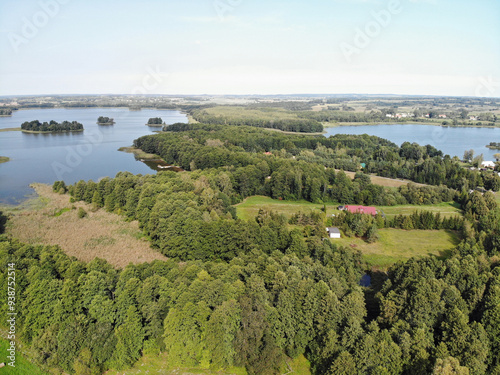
(52, 126)
(5, 111)
(290, 125)
(186, 145)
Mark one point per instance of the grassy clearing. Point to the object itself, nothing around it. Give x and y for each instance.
(383, 181)
(22, 365)
(393, 245)
(238, 112)
(159, 365)
(4, 159)
(251, 206)
(446, 209)
(51, 220)
(397, 244)
(497, 195)
(10, 130)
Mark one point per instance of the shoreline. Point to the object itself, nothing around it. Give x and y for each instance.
(138, 153)
(10, 130)
(51, 132)
(338, 124)
(4, 159)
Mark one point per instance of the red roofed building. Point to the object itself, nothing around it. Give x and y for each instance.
(361, 210)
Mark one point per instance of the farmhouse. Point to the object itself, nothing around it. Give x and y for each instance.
(361, 210)
(488, 164)
(333, 232)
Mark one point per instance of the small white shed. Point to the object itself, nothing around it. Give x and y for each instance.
(333, 232)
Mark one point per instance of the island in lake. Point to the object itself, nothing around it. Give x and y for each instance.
(51, 127)
(494, 145)
(155, 121)
(105, 120)
(4, 159)
(5, 112)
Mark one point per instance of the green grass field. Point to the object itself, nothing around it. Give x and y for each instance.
(22, 365)
(393, 245)
(397, 244)
(250, 207)
(237, 112)
(446, 209)
(159, 365)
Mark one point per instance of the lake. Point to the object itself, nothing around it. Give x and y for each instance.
(94, 154)
(91, 154)
(451, 140)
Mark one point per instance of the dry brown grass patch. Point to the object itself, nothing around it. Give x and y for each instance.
(100, 234)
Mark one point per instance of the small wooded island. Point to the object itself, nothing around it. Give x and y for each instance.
(51, 127)
(494, 145)
(105, 120)
(5, 112)
(155, 121)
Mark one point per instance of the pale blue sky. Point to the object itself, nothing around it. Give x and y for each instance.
(426, 47)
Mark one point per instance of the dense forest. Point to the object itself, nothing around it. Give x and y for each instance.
(283, 295)
(289, 125)
(196, 146)
(52, 126)
(257, 293)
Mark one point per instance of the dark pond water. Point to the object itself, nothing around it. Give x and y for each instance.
(366, 280)
(91, 154)
(452, 141)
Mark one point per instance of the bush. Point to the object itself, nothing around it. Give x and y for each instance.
(81, 213)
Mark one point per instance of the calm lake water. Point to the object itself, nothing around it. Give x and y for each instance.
(94, 154)
(91, 154)
(452, 141)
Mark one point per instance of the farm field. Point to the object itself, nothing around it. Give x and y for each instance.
(400, 245)
(236, 112)
(394, 244)
(22, 365)
(250, 207)
(446, 209)
(159, 365)
(383, 181)
(51, 219)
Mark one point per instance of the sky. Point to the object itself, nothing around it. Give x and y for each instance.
(223, 47)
